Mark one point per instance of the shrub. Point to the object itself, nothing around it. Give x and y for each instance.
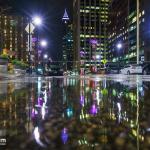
(19, 64)
(4, 56)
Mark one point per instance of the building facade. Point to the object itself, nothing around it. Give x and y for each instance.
(90, 32)
(13, 37)
(67, 45)
(68, 49)
(123, 31)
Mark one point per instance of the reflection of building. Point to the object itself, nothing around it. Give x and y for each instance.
(122, 28)
(13, 99)
(13, 39)
(67, 44)
(90, 30)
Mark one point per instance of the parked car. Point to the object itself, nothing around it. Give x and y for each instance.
(146, 69)
(132, 69)
(54, 69)
(19, 71)
(87, 72)
(37, 71)
(55, 72)
(40, 71)
(113, 68)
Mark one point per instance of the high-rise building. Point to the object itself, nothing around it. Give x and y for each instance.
(123, 31)
(13, 37)
(67, 56)
(68, 49)
(90, 32)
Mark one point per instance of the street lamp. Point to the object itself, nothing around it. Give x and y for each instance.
(119, 45)
(43, 43)
(98, 57)
(45, 56)
(37, 20)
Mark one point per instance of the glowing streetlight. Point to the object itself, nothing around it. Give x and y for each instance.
(119, 45)
(45, 56)
(43, 43)
(98, 56)
(37, 20)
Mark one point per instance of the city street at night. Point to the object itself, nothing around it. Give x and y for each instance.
(81, 112)
(75, 74)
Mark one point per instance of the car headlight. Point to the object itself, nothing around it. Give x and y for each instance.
(39, 69)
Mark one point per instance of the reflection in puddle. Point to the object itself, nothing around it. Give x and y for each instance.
(37, 137)
(64, 135)
(76, 114)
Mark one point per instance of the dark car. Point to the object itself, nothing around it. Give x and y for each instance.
(113, 68)
(146, 69)
(55, 72)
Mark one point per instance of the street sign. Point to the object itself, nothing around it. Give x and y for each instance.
(104, 61)
(30, 27)
(34, 39)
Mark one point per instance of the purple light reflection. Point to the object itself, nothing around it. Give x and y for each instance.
(82, 100)
(40, 101)
(93, 109)
(94, 41)
(64, 135)
(39, 51)
(81, 52)
(34, 113)
(34, 39)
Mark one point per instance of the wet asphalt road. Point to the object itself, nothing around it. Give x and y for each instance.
(88, 112)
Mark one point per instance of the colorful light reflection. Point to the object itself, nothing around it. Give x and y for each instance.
(94, 41)
(69, 112)
(64, 135)
(34, 113)
(93, 110)
(82, 100)
(40, 101)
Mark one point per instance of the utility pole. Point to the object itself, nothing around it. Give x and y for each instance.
(137, 35)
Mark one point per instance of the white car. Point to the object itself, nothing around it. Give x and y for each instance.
(131, 69)
(19, 71)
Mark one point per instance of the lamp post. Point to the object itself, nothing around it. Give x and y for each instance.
(43, 44)
(38, 22)
(45, 65)
(119, 46)
(35, 21)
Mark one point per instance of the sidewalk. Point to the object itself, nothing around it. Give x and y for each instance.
(8, 75)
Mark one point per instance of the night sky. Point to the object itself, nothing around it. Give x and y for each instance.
(52, 11)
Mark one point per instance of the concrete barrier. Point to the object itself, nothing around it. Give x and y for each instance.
(3, 68)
